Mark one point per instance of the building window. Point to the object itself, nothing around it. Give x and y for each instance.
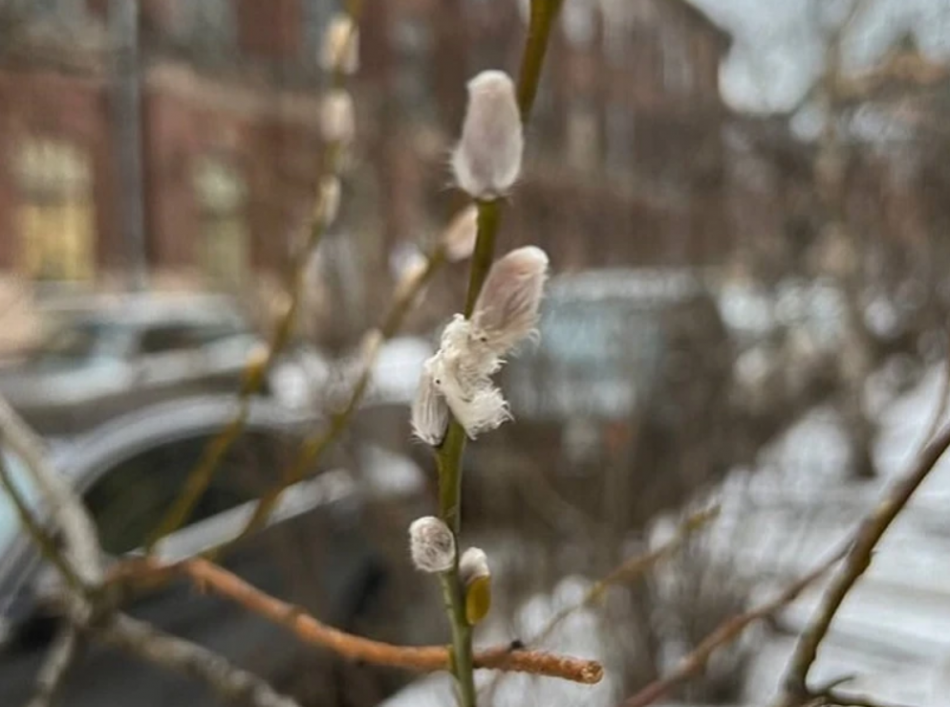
(56, 214)
(676, 62)
(224, 238)
(583, 148)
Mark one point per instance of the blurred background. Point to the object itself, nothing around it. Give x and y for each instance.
(745, 206)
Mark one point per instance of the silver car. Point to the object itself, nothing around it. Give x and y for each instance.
(325, 549)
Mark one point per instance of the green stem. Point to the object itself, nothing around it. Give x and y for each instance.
(450, 453)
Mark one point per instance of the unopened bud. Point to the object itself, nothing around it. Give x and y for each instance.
(487, 160)
(328, 201)
(430, 412)
(257, 360)
(507, 308)
(337, 122)
(431, 544)
(459, 238)
(411, 277)
(476, 582)
(340, 50)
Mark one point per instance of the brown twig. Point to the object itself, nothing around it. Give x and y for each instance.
(858, 559)
(159, 648)
(630, 569)
(200, 478)
(839, 699)
(211, 577)
(725, 633)
(319, 441)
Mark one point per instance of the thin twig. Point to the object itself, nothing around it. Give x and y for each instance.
(870, 531)
(213, 578)
(228, 681)
(726, 633)
(214, 452)
(35, 530)
(87, 608)
(59, 659)
(79, 533)
(840, 699)
(630, 569)
(319, 441)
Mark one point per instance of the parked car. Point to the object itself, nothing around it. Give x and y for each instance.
(327, 548)
(106, 356)
(622, 401)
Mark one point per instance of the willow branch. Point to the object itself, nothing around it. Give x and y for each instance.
(630, 569)
(858, 559)
(213, 578)
(52, 674)
(79, 533)
(726, 633)
(256, 372)
(35, 530)
(319, 441)
(228, 681)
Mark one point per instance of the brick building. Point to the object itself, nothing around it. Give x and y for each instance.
(624, 160)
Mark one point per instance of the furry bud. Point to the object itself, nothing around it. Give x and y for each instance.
(340, 50)
(430, 412)
(459, 238)
(487, 160)
(507, 309)
(476, 582)
(432, 545)
(337, 122)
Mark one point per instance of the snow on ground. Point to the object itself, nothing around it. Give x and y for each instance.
(892, 633)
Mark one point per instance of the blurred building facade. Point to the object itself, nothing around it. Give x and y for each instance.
(624, 162)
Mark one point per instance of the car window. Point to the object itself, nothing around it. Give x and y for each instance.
(80, 342)
(167, 338)
(129, 500)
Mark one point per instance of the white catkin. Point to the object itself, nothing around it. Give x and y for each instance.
(506, 311)
(340, 50)
(460, 236)
(473, 564)
(337, 121)
(430, 412)
(431, 545)
(487, 160)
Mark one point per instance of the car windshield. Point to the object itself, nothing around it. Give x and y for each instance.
(9, 521)
(593, 355)
(80, 342)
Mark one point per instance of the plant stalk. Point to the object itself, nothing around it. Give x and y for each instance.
(450, 453)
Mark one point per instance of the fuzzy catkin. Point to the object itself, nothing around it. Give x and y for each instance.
(340, 49)
(459, 238)
(337, 121)
(506, 311)
(431, 545)
(487, 160)
(430, 412)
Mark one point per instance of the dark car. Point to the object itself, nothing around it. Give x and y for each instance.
(325, 550)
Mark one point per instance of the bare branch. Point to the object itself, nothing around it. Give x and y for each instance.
(150, 644)
(211, 577)
(79, 534)
(858, 559)
(725, 633)
(630, 569)
(59, 659)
